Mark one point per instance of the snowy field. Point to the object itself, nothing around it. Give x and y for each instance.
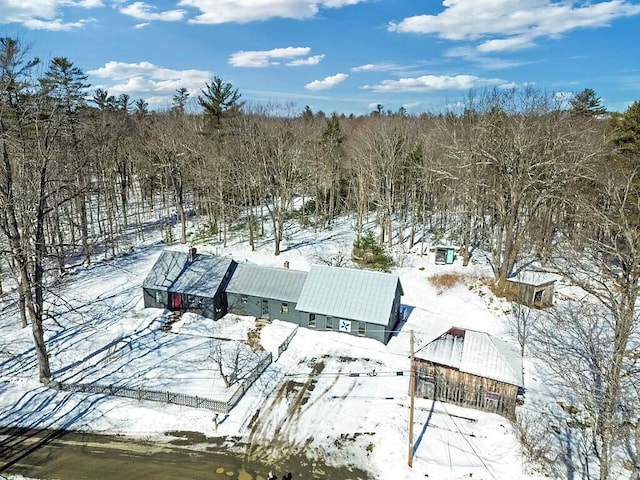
(337, 398)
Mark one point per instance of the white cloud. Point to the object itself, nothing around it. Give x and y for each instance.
(54, 25)
(313, 60)
(141, 25)
(148, 81)
(513, 24)
(487, 62)
(144, 11)
(243, 11)
(504, 44)
(429, 83)
(411, 105)
(328, 82)
(44, 14)
(264, 58)
(85, 3)
(378, 67)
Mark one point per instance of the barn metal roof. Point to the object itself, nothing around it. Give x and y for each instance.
(267, 282)
(174, 272)
(351, 294)
(534, 277)
(476, 353)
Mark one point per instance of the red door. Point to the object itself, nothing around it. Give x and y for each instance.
(176, 301)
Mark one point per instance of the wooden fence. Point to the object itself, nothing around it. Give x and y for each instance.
(171, 397)
(286, 343)
(164, 396)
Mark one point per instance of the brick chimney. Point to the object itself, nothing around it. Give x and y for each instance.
(286, 264)
(192, 254)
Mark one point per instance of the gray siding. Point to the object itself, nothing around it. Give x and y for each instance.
(371, 330)
(263, 308)
(155, 298)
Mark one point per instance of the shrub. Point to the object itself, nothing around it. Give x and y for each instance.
(205, 233)
(445, 281)
(368, 253)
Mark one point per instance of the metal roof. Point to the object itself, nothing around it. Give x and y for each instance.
(476, 353)
(534, 277)
(267, 282)
(351, 294)
(174, 272)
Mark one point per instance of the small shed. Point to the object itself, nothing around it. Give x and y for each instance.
(445, 254)
(532, 288)
(356, 302)
(266, 292)
(189, 282)
(472, 369)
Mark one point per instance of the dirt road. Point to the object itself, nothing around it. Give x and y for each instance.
(50, 455)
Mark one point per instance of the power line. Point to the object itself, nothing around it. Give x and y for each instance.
(463, 436)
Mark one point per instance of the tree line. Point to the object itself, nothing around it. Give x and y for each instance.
(518, 174)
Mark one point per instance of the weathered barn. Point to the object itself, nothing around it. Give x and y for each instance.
(357, 302)
(472, 369)
(266, 292)
(192, 282)
(533, 289)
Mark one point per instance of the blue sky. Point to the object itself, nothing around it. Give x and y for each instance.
(339, 55)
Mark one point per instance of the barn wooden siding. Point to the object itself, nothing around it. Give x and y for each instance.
(449, 385)
(535, 296)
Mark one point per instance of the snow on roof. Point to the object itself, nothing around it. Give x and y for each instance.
(533, 277)
(476, 353)
(174, 272)
(349, 293)
(267, 282)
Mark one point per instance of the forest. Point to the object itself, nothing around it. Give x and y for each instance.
(523, 175)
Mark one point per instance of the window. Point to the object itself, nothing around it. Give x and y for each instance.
(491, 400)
(284, 308)
(312, 320)
(362, 329)
(537, 296)
(244, 299)
(329, 323)
(426, 384)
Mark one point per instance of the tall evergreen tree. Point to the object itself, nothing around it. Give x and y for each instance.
(587, 103)
(180, 99)
(219, 100)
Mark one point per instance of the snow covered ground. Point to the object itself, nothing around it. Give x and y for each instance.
(331, 396)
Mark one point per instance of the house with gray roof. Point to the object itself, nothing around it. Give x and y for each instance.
(266, 292)
(472, 369)
(356, 302)
(189, 282)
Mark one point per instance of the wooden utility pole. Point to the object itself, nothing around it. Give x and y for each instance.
(412, 388)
